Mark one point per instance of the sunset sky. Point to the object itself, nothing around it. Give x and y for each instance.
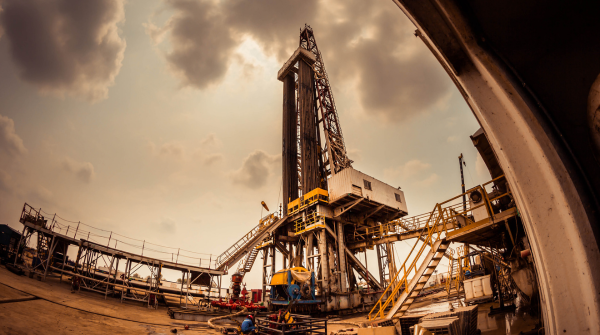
(161, 120)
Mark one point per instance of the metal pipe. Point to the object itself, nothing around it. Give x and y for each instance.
(462, 181)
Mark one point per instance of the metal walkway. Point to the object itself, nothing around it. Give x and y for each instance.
(247, 244)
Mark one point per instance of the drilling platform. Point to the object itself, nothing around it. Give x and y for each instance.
(333, 213)
(313, 248)
(329, 206)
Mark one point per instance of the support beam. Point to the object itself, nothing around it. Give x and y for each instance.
(290, 138)
(357, 264)
(311, 176)
(372, 212)
(342, 257)
(324, 275)
(265, 274)
(356, 202)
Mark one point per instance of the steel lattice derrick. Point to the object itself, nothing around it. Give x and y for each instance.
(334, 154)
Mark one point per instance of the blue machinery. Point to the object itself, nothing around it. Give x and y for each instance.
(285, 288)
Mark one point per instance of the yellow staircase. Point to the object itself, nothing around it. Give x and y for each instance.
(410, 279)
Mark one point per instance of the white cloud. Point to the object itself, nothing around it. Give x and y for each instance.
(432, 179)
(413, 171)
(10, 142)
(84, 171)
(414, 167)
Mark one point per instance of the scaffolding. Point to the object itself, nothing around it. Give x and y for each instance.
(97, 265)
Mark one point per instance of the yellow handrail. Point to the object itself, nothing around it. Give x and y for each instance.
(437, 222)
(404, 280)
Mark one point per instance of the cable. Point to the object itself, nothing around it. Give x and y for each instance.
(469, 171)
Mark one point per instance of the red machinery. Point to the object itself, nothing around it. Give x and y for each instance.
(237, 302)
(236, 283)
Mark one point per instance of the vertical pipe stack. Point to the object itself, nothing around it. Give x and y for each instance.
(308, 128)
(290, 136)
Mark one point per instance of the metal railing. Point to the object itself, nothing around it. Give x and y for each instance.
(78, 230)
(451, 213)
(264, 223)
(302, 224)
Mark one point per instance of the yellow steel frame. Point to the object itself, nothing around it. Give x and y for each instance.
(318, 194)
(450, 271)
(311, 221)
(436, 225)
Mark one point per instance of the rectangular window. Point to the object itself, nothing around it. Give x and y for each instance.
(367, 185)
(398, 198)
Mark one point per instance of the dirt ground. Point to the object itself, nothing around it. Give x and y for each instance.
(55, 310)
(58, 311)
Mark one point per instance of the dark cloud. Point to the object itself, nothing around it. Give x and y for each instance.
(396, 79)
(5, 181)
(171, 149)
(65, 46)
(84, 171)
(272, 23)
(212, 159)
(201, 42)
(167, 225)
(255, 170)
(366, 43)
(10, 142)
(210, 141)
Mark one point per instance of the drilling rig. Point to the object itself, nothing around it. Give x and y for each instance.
(332, 212)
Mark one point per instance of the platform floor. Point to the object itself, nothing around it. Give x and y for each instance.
(512, 323)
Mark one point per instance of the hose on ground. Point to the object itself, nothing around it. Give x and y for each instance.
(220, 328)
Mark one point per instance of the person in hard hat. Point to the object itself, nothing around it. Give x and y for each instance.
(248, 325)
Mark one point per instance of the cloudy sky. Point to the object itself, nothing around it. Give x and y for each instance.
(161, 120)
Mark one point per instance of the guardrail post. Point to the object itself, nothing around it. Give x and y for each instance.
(177, 259)
(109, 237)
(143, 244)
(76, 229)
